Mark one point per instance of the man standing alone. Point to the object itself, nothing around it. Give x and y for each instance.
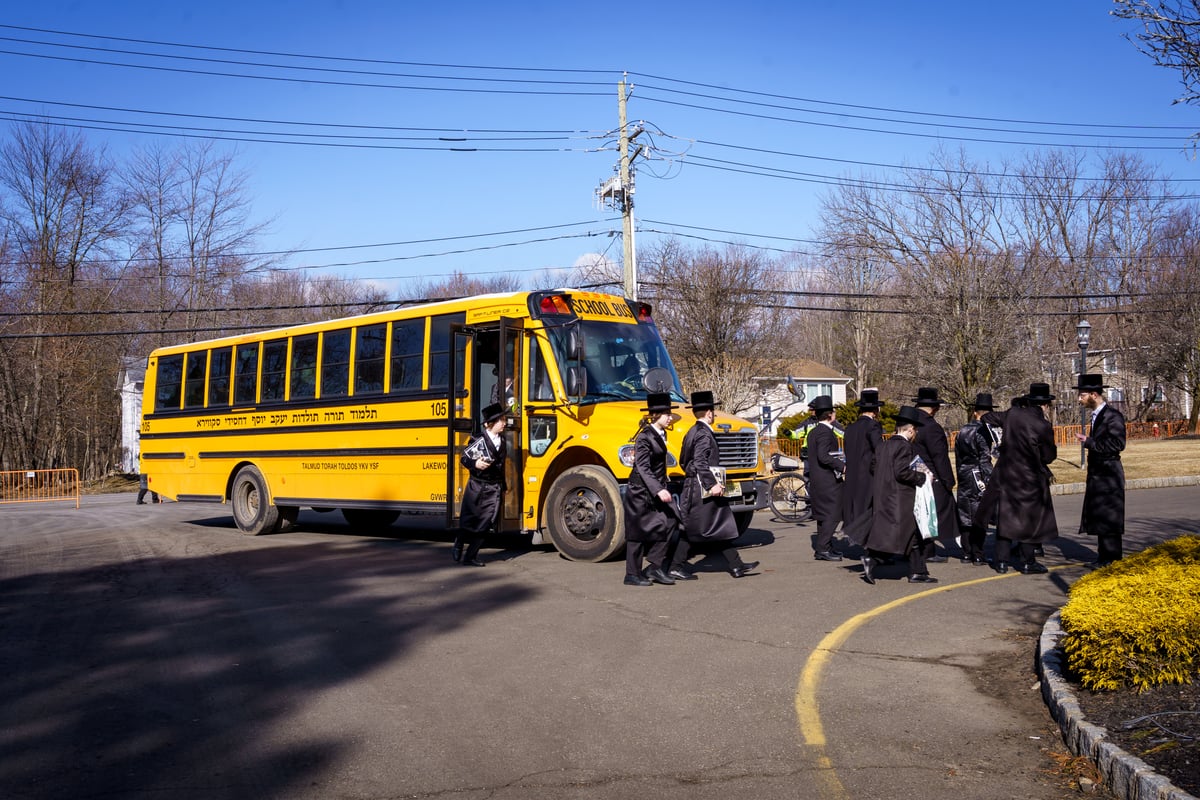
(1104, 497)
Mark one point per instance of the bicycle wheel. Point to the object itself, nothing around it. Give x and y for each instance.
(789, 497)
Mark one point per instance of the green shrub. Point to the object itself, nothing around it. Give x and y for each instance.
(1136, 622)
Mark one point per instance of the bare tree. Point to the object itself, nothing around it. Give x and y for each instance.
(1170, 35)
(717, 316)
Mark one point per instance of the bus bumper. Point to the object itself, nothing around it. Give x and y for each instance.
(754, 495)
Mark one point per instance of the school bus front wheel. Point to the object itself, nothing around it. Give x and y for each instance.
(584, 514)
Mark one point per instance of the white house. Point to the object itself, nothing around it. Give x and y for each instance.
(129, 386)
(809, 378)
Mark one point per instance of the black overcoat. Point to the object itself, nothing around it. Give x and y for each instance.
(705, 518)
(862, 439)
(824, 464)
(973, 462)
(893, 493)
(1019, 491)
(485, 489)
(932, 445)
(1104, 495)
(647, 518)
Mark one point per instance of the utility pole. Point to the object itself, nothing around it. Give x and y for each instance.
(618, 193)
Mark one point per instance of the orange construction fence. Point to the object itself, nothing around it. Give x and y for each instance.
(39, 486)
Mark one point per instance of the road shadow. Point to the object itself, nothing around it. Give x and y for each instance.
(181, 676)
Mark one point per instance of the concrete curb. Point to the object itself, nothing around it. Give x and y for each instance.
(1127, 776)
(1139, 483)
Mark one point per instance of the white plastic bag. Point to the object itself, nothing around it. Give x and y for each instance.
(925, 510)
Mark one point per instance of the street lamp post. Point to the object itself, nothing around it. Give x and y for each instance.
(1083, 332)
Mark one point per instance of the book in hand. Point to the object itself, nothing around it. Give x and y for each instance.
(477, 450)
(718, 473)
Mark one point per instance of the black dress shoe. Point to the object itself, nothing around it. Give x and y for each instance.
(936, 560)
(473, 562)
(868, 563)
(743, 570)
(658, 576)
(681, 575)
(922, 578)
(456, 552)
(1033, 568)
(827, 555)
(978, 561)
(1001, 568)
(636, 580)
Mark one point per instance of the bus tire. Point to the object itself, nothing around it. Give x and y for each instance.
(252, 512)
(369, 520)
(743, 520)
(583, 514)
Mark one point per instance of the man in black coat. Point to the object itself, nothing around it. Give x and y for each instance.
(933, 446)
(649, 508)
(826, 471)
(893, 525)
(708, 523)
(1019, 491)
(484, 495)
(862, 439)
(1104, 495)
(973, 461)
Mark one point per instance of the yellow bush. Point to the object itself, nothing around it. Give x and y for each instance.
(1136, 622)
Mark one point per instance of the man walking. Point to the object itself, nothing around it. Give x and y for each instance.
(932, 445)
(826, 470)
(973, 460)
(862, 439)
(1104, 495)
(1019, 490)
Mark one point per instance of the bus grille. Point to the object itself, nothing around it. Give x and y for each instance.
(738, 450)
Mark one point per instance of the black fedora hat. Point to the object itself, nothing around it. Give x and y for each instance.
(983, 400)
(492, 412)
(1039, 394)
(1090, 382)
(910, 415)
(869, 399)
(822, 402)
(927, 396)
(659, 403)
(702, 401)
(1020, 401)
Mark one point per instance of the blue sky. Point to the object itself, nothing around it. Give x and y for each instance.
(1062, 62)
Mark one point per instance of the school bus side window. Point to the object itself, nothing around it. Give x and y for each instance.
(169, 383)
(245, 391)
(369, 352)
(335, 363)
(218, 377)
(304, 368)
(274, 370)
(439, 348)
(193, 384)
(408, 354)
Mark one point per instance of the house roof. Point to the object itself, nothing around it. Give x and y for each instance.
(804, 370)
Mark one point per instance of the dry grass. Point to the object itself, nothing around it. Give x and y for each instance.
(1143, 458)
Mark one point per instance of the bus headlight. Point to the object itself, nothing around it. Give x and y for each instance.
(625, 454)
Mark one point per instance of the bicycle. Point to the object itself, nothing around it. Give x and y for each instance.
(788, 490)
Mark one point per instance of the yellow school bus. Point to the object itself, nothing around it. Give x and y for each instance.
(369, 414)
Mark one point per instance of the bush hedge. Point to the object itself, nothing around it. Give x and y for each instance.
(1136, 622)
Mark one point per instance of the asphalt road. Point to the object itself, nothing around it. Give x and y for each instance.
(154, 652)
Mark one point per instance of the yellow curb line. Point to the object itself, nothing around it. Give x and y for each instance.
(812, 731)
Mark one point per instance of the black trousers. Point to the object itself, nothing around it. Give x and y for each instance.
(915, 550)
(635, 552)
(1109, 548)
(824, 540)
(972, 540)
(1026, 550)
(687, 549)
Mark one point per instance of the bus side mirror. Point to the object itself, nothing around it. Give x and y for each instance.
(574, 344)
(576, 381)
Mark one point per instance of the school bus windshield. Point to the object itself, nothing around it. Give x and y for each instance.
(616, 357)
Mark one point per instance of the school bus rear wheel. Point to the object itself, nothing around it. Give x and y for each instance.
(252, 510)
(583, 514)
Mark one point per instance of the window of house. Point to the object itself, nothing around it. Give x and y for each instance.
(1109, 365)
